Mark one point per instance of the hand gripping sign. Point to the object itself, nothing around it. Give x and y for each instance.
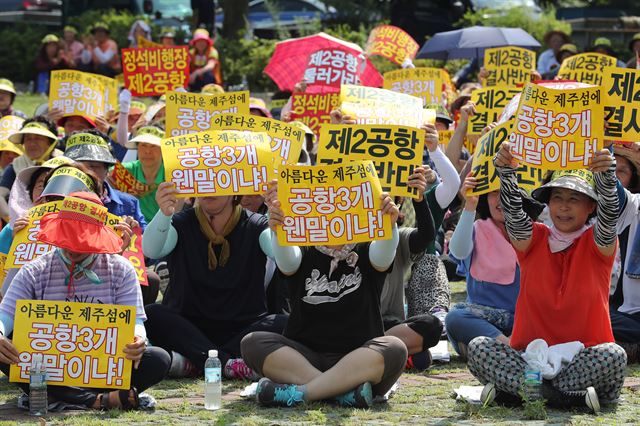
(558, 129)
(218, 162)
(82, 343)
(331, 205)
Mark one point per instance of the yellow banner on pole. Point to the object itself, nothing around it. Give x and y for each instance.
(484, 171)
(429, 84)
(621, 90)
(194, 112)
(396, 151)
(218, 162)
(81, 93)
(558, 129)
(508, 66)
(490, 101)
(82, 343)
(285, 139)
(331, 205)
(586, 67)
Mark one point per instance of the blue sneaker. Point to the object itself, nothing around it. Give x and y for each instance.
(272, 394)
(360, 397)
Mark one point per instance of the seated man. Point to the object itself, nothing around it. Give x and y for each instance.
(216, 292)
(84, 266)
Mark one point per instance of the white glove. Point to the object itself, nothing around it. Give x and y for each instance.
(407, 63)
(124, 100)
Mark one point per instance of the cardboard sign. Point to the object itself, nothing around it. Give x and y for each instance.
(586, 67)
(111, 91)
(396, 151)
(558, 129)
(134, 255)
(333, 68)
(155, 71)
(490, 102)
(428, 84)
(25, 247)
(621, 90)
(331, 205)
(143, 42)
(285, 139)
(314, 109)
(392, 43)
(9, 124)
(123, 180)
(508, 66)
(3, 271)
(82, 343)
(78, 93)
(226, 162)
(484, 171)
(194, 112)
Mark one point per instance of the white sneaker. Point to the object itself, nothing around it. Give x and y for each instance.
(488, 394)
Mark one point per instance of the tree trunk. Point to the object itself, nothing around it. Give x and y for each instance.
(235, 15)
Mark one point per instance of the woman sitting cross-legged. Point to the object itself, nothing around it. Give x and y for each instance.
(334, 345)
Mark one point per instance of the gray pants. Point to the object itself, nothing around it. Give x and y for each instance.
(258, 345)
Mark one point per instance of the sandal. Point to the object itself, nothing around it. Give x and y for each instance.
(123, 396)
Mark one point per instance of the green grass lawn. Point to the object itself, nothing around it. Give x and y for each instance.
(29, 103)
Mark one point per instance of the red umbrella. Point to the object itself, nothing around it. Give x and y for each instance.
(322, 60)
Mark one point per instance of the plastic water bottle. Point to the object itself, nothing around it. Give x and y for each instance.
(212, 381)
(532, 384)
(37, 387)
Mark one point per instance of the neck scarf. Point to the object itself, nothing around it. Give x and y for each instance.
(559, 240)
(215, 239)
(346, 253)
(494, 259)
(77, 271)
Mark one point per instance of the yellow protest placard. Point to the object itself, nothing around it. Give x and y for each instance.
(372, 96)
(9, 124)
(194, 112)
(558, 129)
(483, 170)
(429, 84)
(143, 42)
(77, 93)
(285, 139)
(508, 66)
(3, 271)
(444, 136)
(25, 247)
(218, 162)
(621, 90)
(586, 67)
(111, 91)
(392, 43)
(313, 109)
(82, 343)
(331, 205)
(395, 150)
(490, 101)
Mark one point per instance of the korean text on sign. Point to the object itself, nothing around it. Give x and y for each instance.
(333, 68)
(285, 139)
(621, 90)
(429, 84)
(224, 162)
(558, 129)
(484, 171)
(123, 180)
(9, 124)
(82, 343)
(586, 67)
(392, 43)
(331, 205)
(194, 112)
(313, 109)
(77, 93)
(396, 151)
(508, 66)
(155, 71)
(134, 255)
(490, 102)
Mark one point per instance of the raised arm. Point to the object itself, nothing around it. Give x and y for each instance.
(603, 166)
(454, 148)
(160, 237)
(289, 258)
(461, 244)
(382, 252)
(445, 192)
(424, 233)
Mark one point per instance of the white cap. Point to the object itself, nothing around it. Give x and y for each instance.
(213, 353)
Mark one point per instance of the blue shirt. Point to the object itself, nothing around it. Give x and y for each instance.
(6, 238)
(122, 204)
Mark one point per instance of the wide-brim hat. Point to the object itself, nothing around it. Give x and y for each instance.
(86, 118)
(148, 134)
(25, 174)
(581, 181)
(7, 86)
(80, 226)
(11, 147)
(100, 26)
(66, 180)
(551, 33)
(89, 147)
(201, 34)
(636, 37)
(260, 105)
(444, 117)
(299, 124)
(33, 128)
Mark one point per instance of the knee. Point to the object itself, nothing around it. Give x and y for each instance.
(428, 327)
(617, 353)
(154, 310)
(157, 361)
(454, 322)
(252, 348)
(477, 344)
(394, 353)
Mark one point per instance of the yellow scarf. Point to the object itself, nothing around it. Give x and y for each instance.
(215, 239)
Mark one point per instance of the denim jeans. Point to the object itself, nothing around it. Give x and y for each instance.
(466, 321)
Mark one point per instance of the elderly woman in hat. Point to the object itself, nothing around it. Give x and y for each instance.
(205, 61)
(84, 266)
(105, 55)
(7, 97)
(73, 48)
(564, 288)
(50, 57)
(547, 61)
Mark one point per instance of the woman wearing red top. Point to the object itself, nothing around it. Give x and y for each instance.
(564, 286)
(204, 61)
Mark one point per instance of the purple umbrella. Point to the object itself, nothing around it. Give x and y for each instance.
(471, 42)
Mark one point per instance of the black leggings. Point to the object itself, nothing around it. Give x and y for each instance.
(153, 367)
(194, 337)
